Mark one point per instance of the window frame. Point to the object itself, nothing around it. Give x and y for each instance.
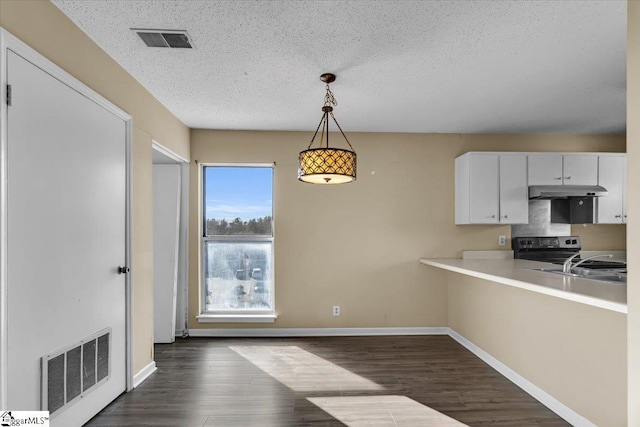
(237, 315)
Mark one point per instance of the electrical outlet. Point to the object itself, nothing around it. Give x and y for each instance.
(502, 240)
(336, 310)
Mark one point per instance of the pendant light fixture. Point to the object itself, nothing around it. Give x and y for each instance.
(327, 165)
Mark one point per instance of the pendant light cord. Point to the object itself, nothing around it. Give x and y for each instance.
(343, 135)
(316, 132)
(329, 100)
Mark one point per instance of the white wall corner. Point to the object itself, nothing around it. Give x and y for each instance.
(144, 374)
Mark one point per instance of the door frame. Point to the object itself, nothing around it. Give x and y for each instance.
(8, 42)
(182, 328)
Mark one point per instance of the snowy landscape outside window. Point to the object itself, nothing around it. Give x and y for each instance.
(238, 240)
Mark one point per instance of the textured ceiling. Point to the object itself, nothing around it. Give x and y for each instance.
(402, 66)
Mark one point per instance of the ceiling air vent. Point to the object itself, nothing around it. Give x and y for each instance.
(164, 38)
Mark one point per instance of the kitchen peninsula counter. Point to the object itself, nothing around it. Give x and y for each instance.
(518, 273)
(562, 339)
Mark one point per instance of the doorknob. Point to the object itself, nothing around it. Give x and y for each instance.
(123, 269)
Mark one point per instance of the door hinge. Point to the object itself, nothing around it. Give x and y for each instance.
(9, 95)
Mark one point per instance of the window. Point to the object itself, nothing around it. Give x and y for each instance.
(237, 243)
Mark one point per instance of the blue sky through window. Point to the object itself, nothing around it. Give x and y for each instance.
(238, 192)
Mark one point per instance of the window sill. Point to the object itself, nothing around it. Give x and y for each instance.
(237, 318)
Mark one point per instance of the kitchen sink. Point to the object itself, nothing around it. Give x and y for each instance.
(585, 273)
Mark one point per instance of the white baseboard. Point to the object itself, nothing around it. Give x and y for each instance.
(144, 374)
(542, 396)
(316, 332)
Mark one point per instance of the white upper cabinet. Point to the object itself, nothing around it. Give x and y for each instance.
(491, 189)
(612, 175)
(483, 189)
(514, 193)
(559, 169)
(580, 169)
(545, 169)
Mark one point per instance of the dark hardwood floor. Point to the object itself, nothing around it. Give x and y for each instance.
(355, 381)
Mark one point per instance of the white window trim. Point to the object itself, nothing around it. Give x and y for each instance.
(235, 316)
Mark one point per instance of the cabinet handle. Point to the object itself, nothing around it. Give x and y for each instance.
(567, 177)
(558, 178)
(506, 216)
(618, 216)
(491, 216)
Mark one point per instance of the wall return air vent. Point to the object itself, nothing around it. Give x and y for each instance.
(73, 371)
(178, 39)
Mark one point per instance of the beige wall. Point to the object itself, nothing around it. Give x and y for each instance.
(34, 22)
(142, 247)
(633, 193)
(575, 352)
(357, 245)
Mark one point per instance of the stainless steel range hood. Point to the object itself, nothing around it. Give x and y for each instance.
(565, 191)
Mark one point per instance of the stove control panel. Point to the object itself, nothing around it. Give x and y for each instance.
(547, 242)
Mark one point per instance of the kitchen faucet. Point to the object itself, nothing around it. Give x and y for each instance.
(567, 266)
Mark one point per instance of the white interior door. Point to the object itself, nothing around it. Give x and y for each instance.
(166, 223)
(66, 222)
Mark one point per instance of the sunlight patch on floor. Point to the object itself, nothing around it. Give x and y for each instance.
(303, 371)
(382, 411)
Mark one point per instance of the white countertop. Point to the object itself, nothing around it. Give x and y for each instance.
(518, 273)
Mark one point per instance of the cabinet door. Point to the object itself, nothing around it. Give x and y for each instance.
(612, 177)
(514, 194)
(580, 169)
(624, 191)
(483, 189)
(545, 169)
